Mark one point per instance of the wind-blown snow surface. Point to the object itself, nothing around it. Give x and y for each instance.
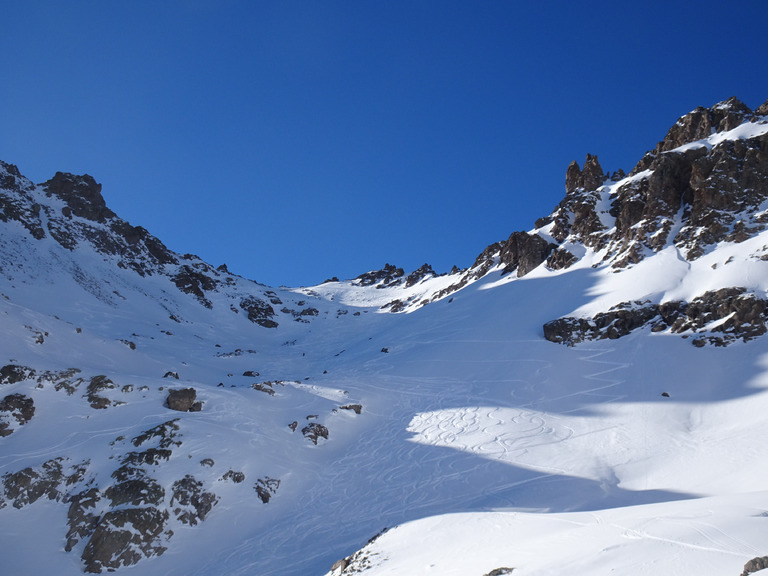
(489, 445)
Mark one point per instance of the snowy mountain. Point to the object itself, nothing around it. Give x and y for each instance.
(590, 393)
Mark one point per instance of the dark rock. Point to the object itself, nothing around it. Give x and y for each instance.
(589, 179)
(192, 503)
(13, 373)
(50, 479)
(97, 385)
(81, 516)
(500, 572)
(755, 565)
(182, 399)
(30, 484)
(174, 375)
(424, 271)
(166, 434)
(741, 315)
(123, 537)
(135, 491)
(266, 487)
(524, 252)
(265, 387)
(388, 276)
(356, 408)
(191, 281)
(396, 305)
(66, 380)
(250, 374)
(314, 431)
(236, 477)
(560, 259)
(150, 456)
(703, 122)
(258, 311)
(82, 195)
(18, 406)
(208, 462)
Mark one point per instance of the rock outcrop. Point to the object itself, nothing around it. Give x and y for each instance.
(15, 407)
(717, 317)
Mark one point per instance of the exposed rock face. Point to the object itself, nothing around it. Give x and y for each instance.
(755, 565)
(387, 276)
(82, 195)
(123, 537)
(259, 311)
(588, 178)
(194, 282)
(709, 193)
(425, 271)
(524, 252)
(702, 122)
(12, 373)
(49, 479)
(81, 516)
(730, 314)
(17, 406)
(97, 385)
(190, 502)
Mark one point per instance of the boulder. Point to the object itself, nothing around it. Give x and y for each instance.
(182, 400)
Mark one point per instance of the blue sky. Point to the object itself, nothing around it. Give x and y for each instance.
(299, 140)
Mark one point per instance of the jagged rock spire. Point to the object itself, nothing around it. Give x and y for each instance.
(590, 178)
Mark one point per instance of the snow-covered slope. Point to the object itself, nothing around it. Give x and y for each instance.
(322, 415)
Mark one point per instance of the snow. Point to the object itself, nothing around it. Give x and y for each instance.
(741, 132)
(485, 445)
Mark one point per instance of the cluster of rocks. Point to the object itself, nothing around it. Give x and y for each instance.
(18, 407)
(266, 488)
(268, 386)
(719, 317)
(360, 561)
(388, 276)
(258, 311)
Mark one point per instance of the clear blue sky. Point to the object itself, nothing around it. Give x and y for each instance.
(299, 140)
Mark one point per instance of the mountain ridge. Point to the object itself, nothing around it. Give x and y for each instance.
(162, 412)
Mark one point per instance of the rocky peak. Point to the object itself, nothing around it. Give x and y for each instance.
(418, 275)
(589, 178)
(388, 276)
(705, 194)
(82, 195)
(703, 122)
